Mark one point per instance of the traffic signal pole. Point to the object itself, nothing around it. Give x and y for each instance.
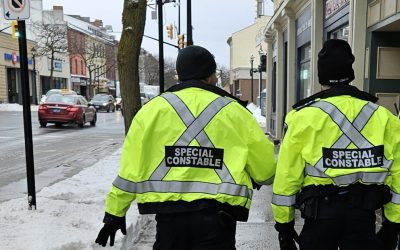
(189, 23)
(30, 169)
(160, 46)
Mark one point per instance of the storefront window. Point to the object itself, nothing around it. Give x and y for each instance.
(304, 89)
(340, 33)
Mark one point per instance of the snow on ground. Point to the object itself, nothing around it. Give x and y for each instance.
(69, 213)
(15, 107)
(257, 114)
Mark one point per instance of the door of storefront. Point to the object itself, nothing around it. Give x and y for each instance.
(12, 85)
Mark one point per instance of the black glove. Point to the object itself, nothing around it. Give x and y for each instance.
(287, 235)
(111, 225)
(388, 235)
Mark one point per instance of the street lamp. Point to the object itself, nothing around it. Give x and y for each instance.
(251, 74)
(261, 68)
(33, 51)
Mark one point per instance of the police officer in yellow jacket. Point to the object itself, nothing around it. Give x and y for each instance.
(339, 162)
(190, 157)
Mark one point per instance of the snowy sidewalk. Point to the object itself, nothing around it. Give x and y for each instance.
(69, 213)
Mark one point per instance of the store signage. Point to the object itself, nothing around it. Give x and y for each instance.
(333, 6)
(75, 79)
(303, 27)
(14, 58)
(57, 65)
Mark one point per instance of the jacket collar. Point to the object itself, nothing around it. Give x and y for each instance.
(205, 86)
(338, 90)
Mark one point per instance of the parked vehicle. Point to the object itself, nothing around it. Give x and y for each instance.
(103, 102)
(143, 98)
(56, 91)
(118, 102)
(66, 109)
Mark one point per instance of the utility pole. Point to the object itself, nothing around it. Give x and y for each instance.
(179, 17)
(189, 23)
(30, 169)
(160, 46)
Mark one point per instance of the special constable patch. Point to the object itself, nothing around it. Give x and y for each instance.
(353, 158)
(198, 157)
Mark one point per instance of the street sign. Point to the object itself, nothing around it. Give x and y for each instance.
(16, 9)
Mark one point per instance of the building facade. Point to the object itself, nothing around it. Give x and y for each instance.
(296, 32)
(92, 55)
(10, 74)
(246, 47)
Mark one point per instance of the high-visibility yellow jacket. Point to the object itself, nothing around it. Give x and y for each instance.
(338, 140)
(220, 140)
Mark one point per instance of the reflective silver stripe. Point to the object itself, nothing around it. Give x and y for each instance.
(188, 118)
(314, 171)
(372, 178)
(180, 108)
(267, 182)
(282, 200)
(343, 142)
(202, 120)
(160, 172)
(222, 173)
(182, 187)
(344, 124)
(395, 197)
(364, 115)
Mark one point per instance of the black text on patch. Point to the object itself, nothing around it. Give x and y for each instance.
(353, 158)
(198, 157)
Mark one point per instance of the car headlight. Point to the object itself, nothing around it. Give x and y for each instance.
(105, 104)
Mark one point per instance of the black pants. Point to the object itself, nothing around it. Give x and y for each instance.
(339, 225)
(201, 230)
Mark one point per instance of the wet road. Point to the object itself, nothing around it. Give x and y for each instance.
(59, 152)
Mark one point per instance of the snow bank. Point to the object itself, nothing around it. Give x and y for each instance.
(69, 213)
(15, 107)
(257, 114)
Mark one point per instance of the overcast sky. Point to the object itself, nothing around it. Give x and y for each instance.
(213, 21)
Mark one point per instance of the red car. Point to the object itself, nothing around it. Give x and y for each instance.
(63, 109)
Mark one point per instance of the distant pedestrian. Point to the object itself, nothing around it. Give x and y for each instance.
(191, 157)
(339, 162)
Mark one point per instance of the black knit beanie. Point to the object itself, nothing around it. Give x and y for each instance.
(195, 63)
(335, 63)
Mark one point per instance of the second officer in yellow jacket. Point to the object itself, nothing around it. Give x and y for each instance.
(339, 161)
(191, 157)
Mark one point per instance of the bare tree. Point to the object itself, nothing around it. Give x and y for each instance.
(223, 74)
(170, 77)
(51, 41)
(133, 22)
(149, 68)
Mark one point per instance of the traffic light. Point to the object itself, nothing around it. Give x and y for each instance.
(263, 63)
(14, 29)
(181, 41)
(170, 31)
